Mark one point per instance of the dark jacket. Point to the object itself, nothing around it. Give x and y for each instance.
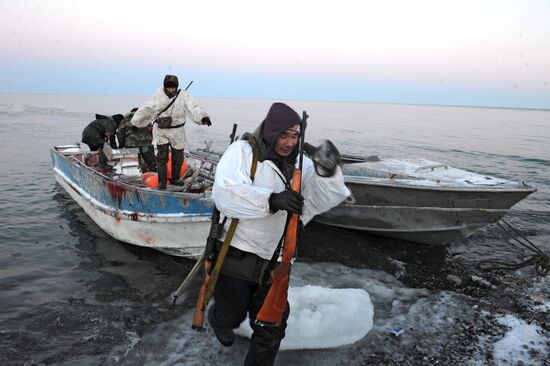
(97, 131)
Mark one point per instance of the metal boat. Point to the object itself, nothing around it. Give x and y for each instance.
(173, 221)
(421, 200)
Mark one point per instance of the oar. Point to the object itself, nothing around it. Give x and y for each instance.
(192, 274)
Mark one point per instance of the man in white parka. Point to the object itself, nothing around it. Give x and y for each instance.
(172, 135)
(262, 207)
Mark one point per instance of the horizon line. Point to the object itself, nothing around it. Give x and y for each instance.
(308, 100)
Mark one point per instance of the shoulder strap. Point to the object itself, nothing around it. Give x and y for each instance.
(209, 290)
(169, 104)
(255, 155)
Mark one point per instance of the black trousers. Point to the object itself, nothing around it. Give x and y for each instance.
(233, 299)
(147, 154)
(162, 163)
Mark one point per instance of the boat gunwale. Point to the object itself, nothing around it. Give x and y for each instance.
(130, 215)
(71, 158)
(388, 182)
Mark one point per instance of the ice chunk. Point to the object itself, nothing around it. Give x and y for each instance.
(324, 317)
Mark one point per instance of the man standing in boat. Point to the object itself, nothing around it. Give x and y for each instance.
(262, 204)
(167, 110)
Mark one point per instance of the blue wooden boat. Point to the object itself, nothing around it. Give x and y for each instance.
(173, 221)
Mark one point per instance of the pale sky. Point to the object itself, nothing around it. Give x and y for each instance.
(486, 53)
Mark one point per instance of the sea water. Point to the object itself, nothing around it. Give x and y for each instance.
(71, 295)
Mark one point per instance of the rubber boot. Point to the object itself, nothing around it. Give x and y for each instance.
(225, 336)
(162, 162)
(177, 161)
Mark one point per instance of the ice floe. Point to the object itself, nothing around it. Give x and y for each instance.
(324, 317)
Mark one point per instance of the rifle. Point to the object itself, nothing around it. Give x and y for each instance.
(275, 302)
(209, 248)
(233, 133)
(211, 275)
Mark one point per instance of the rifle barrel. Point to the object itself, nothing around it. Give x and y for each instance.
(233, 133)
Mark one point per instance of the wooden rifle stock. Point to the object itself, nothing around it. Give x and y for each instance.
(200, 307)
(274, 304)
(211, 277)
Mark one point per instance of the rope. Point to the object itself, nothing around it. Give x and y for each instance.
(539, 259)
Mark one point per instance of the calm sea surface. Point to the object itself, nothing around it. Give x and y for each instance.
(71, 295)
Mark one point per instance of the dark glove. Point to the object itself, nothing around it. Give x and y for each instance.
(286, 200)
(326, 157)
(206, 121)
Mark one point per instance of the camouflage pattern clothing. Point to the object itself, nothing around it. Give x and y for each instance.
(130, 136)
(174, 107)
(183, 107)
(142, 138)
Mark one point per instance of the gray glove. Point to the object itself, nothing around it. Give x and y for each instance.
(286, 200)
(326, 157)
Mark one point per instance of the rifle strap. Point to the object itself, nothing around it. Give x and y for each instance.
(219, 262)
(255, 155)
(232, 228)
(169, 105)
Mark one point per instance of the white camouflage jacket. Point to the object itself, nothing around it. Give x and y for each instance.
(236, 196)
(184, 106)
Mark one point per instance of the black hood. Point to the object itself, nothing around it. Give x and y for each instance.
(279, 118)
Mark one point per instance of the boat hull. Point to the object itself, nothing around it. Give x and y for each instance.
(426, 202)
(174, 223)
(427, 225)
